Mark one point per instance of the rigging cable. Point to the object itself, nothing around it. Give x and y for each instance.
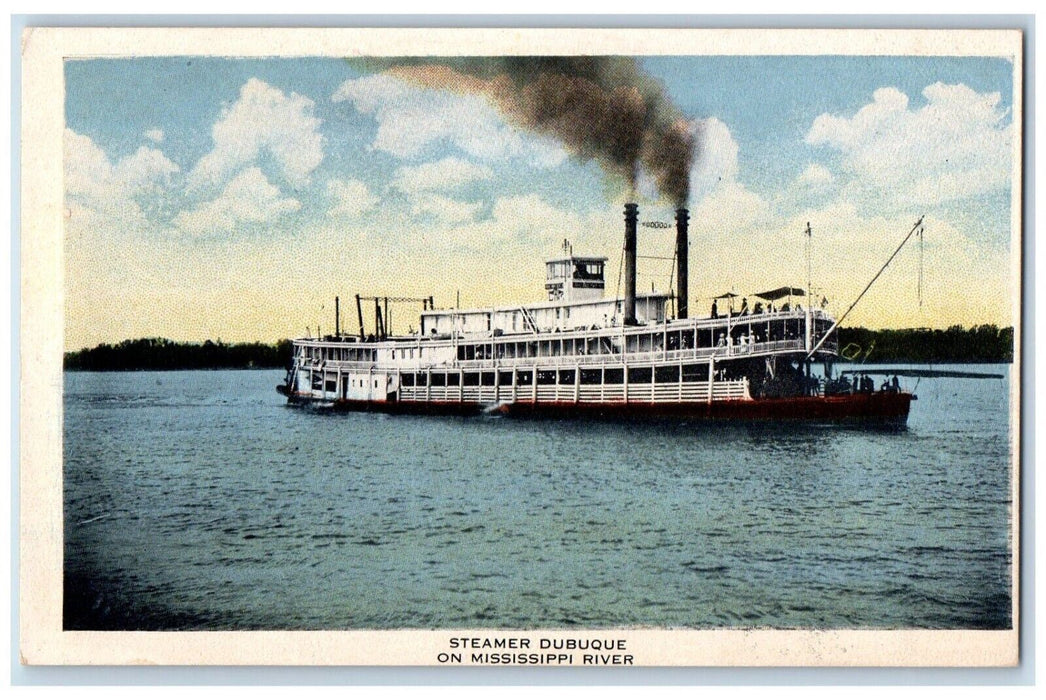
(920, 290)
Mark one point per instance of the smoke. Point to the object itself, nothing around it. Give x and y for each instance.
(602, 108)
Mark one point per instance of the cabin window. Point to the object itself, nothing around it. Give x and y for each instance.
(423, 380)
(453, 379)
(695, 373)
(317, 381)
(505, 378)
(613, 375)
(591, 376)
(546, 377)
(566, 376)
(472, 379)
(439, 379)
(524, 377)
(407, 380)
(488, 378)
(666, 375)
(639, 375)
(331, 385)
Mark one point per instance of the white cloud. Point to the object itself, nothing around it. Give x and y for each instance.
(716, 159)
(413, 119)
(448, 174)
(249, 198)
(445, 209)
(95, 186)
(351, 197)
(719, 201)
(154, 135)
(957, 145)
(263, 120)
(816, 176)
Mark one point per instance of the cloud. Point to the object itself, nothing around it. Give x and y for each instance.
(94, 186)
(719, 201)
(263, 120)
(249, 198)
(412, 120)
(815, 176)
(154, 135)
(448, 174)
(444, 209)
(351, 197)
(716, 159)
(957, 145)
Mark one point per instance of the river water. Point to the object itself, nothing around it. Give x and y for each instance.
(200, 501)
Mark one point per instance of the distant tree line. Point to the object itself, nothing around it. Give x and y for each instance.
(977, 344)
(163, 354)
(956, 344)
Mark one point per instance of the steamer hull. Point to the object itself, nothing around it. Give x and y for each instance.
(880, 408)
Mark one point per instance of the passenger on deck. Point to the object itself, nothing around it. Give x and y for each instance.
(785, 307)
(895, 385)
(715, 310)
(758, 308)
(722, 340)
(744, 306)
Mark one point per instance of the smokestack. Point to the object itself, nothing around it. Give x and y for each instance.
(682, 255)
(631, 219)
(337, 316)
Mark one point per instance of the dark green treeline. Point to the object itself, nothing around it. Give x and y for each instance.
(163, 354)
(979, 344)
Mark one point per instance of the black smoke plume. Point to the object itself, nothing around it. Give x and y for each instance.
(600, 107)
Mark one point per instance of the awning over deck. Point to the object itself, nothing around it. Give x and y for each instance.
(781, 293)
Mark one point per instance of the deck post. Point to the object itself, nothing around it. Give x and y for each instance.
(711, 376)
(577, 382)
(624, 379)
(534, 385)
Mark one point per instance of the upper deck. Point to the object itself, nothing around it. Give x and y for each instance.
(725, 337)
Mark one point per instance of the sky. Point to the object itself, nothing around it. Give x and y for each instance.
(233, 199)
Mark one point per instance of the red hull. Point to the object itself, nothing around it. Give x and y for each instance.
(880, 407)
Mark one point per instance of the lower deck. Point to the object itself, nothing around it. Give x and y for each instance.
(878, 408)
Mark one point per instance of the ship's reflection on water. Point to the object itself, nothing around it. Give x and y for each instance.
(202, 502)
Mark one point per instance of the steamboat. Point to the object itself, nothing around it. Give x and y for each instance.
(581, 354)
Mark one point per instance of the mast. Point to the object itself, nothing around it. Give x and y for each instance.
(809, 293)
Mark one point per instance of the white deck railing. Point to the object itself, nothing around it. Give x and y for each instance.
(676, 392)
(583, 361)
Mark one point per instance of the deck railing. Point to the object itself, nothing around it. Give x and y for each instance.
(676, 392)
(583, 361)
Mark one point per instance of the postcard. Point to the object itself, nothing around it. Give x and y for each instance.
(520, 347)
